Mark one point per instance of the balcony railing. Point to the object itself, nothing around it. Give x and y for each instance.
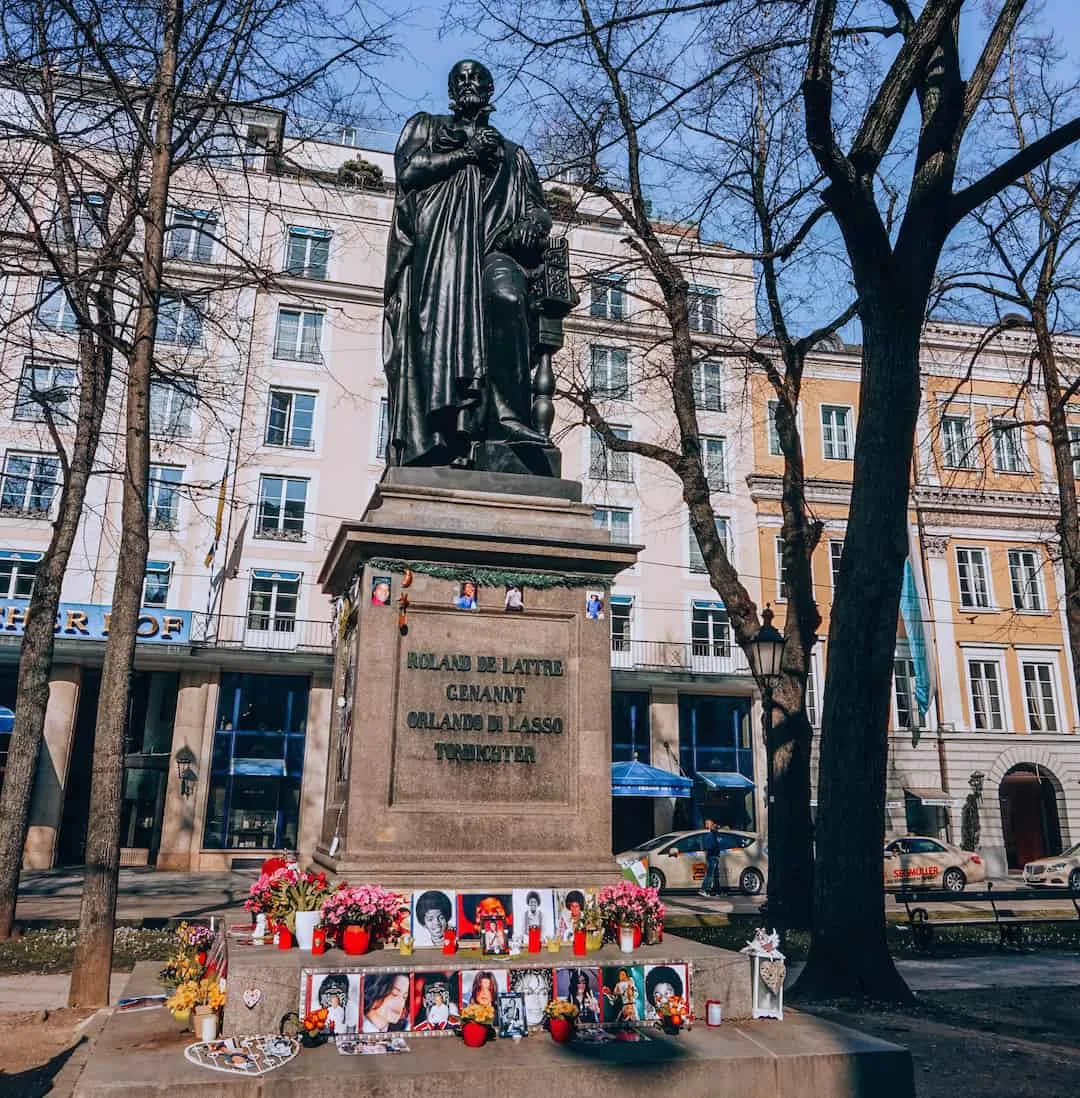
(701, 659)
(261, 633)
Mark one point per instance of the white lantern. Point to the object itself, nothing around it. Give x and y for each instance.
(767, 971)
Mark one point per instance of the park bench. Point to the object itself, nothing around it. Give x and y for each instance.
(1010, 922)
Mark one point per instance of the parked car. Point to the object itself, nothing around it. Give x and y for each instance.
(677, 860)
(918, 861)
(1059, 869)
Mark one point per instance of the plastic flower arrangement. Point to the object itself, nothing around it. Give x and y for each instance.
(560, 1008)
(370, 906)
(479, 1012)
(629, 904)
(317, 1021)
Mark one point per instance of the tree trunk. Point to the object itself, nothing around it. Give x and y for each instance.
(1068, 516)
(848, 952)
(36, 654)
(94, 946)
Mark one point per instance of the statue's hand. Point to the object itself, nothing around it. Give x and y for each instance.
(488, 145)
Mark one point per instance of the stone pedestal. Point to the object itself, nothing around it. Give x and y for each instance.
(471, 748)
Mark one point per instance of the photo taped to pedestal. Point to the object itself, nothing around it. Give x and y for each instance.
(536, 985)
(434, 1001)
(475, 907)
(466, 597)
(533, 907)
(662, 982)
(434, 912)
(380, 590)
(582, 987)
(482, 986)
(623, 994)
(386, 1002)
(569, 905)
(338, 992)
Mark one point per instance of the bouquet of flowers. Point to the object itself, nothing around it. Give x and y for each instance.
(591, 917)
(181, 967)
(195, 993)
(560, 1008)
(260, 895)
(370, 906)
(628, 904)
(479, 1012)
(285, 892)
(196, 937)
(673, 1011)
(317, 1022)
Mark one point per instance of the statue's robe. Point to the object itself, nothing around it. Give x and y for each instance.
(441, 237)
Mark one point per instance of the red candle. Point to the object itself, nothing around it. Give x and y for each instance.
(534, 939)
(318, 940)
(449, 942)
(579, 942)
(284, 938)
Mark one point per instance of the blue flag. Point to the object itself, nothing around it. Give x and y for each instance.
(911, 612)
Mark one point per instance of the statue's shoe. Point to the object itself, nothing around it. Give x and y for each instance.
(516, 431)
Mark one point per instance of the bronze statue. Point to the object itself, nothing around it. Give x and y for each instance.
(472, 308)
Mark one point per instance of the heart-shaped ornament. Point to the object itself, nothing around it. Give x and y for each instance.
(252, 997)
(244, 1055)
(772, 972)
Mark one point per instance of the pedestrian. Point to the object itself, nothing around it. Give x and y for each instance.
(711, 885)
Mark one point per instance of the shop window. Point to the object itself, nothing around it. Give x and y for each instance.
(257, 762)
(715, 738)
(151, 713)
(629, 726)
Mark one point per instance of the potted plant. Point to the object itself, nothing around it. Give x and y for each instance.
(476, 1022)
(593, 923)
(296, 899)
(560, 1017)
(204, 998)
(364, 915)
(316, 1027)
(628, 905)
(673, 1011)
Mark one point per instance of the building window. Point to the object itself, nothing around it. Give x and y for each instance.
(836, 555)
(17, 573)
(87, 220)
(1074, 449)
(309, 252)
(299, 335)
(382, 438)
(30, 484)
(44, 385)
(605, 464)
(836, 432)
(156, 583)
(709, 386)
(616, 520)
(273, 600)
(974, 584)
(54, 309)
(179, 321)
(1024, 578)
(1008, 447)
(621, 608)
(609, 373)
(171, 403)
(191, 235)
(716, 735)
(714, 460)
(812, 714)
(904, 692)
(783, 581)
(985, 694)
(163, 492)
(630, 726)
(701, 306)
(957, 447)
(290, 420)
(608, 297)
(723, 530)
(773, 434)
(282, 504)
(1040, 697)
(710, 630)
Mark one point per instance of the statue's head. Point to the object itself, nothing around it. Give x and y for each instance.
(470, 86)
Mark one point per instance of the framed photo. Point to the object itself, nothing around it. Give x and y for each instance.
(494, 937)
(510, 1015)
(387, 997)
(434, 912)
(569, 905)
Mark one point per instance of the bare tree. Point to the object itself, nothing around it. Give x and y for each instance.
(638, 118)
(893, 272)
(175, 84)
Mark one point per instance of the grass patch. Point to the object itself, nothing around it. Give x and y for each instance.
(39, 952)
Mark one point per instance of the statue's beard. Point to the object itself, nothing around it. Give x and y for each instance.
(470, 103)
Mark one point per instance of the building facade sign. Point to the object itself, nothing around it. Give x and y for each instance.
(86, 621)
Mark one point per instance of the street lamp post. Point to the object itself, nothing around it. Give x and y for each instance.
(766, 654)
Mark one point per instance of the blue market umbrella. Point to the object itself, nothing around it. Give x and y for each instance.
(7, 719)
(724, 779)
(636, 779)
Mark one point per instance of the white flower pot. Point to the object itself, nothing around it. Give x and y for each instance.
(306, 922)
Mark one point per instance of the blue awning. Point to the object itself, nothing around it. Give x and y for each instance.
(635, 779)
(7, 719)
(724, 779)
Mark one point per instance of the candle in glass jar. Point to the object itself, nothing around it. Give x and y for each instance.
(318, 940)
(534, 939)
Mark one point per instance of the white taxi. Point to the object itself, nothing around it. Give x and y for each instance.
(1062, 870)
(918, 861)
(677, 860)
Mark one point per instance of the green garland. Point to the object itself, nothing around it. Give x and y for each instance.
(489, 577)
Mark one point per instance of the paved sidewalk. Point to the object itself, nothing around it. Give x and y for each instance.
(26, 993)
